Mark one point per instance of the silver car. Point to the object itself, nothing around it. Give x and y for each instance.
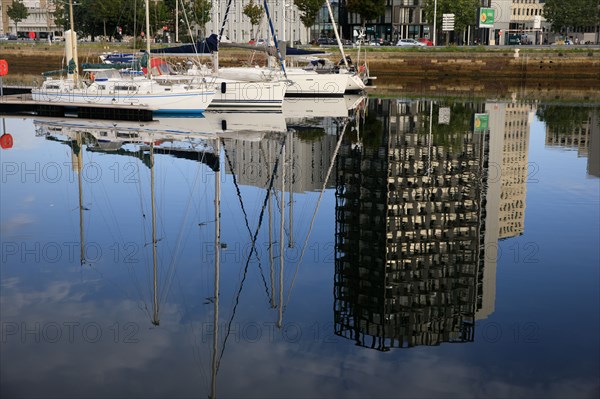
(410, 43)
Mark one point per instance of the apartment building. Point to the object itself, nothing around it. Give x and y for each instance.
(40, 20)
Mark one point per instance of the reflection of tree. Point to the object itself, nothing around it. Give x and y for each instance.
(563, 118)
(310, 134)
(369, 131)
(452, 134)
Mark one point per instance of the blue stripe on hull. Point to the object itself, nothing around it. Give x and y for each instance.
(182, 112)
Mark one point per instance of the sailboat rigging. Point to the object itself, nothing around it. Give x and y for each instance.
(109, 88)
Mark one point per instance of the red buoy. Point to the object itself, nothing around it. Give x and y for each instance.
(6, 141)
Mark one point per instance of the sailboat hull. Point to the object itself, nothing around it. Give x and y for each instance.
(248, 96)
(355, 84)
(303, 83)
(312, 84)
(175, 102)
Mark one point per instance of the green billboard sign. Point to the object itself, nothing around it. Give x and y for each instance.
(486, 17)
(480, 123)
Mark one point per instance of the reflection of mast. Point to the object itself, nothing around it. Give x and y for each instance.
(281, 237)
(291, 221)
(271, 265)
(213, 387)
(79, 167)
(155, 320)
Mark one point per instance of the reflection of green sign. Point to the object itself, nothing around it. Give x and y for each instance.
(481, 122)
(486, 17)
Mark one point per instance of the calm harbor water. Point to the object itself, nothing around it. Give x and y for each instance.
(345, 248)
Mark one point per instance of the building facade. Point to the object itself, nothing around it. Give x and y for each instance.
(284, 14)
(40, 20)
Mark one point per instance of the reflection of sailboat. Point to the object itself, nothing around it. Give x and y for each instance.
(113, 134)
(341, 107)
(77, 137)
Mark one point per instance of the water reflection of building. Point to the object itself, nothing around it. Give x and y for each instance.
(410, 228)
(585, 139)
(308, 153)
(514, 168)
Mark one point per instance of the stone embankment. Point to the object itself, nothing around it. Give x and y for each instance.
(451, 70)
(511, 63)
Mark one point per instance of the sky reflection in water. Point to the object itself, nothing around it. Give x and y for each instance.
(444, 259)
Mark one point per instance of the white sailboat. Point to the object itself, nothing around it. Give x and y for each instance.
(232, 93)
(305, 82)
(109, 88)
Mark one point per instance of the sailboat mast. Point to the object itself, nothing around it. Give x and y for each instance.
(266, 7)
(149, 65)
(73, 43)
(213, 386)
(337, 36)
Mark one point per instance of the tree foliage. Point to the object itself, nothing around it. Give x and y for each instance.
(93, 18)
(309, 10)
(575, 14)
(367, 9)
(199, 12)
(465, 12)
(17, 12)
(563, 118)
(254, 12)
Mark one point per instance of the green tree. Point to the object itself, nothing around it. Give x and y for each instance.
(367, 9)
(60, 14)
(107, 11)
(465, 12)
(17, 12)
(255, 13)
(576, 14)
(199, 13)
(309, 9)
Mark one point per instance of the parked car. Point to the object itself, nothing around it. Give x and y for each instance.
(410, 43)
(325, 41)
(3, 38)
(426, 41)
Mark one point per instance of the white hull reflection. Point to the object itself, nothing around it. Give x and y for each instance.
(302, 108)
(210, 126)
